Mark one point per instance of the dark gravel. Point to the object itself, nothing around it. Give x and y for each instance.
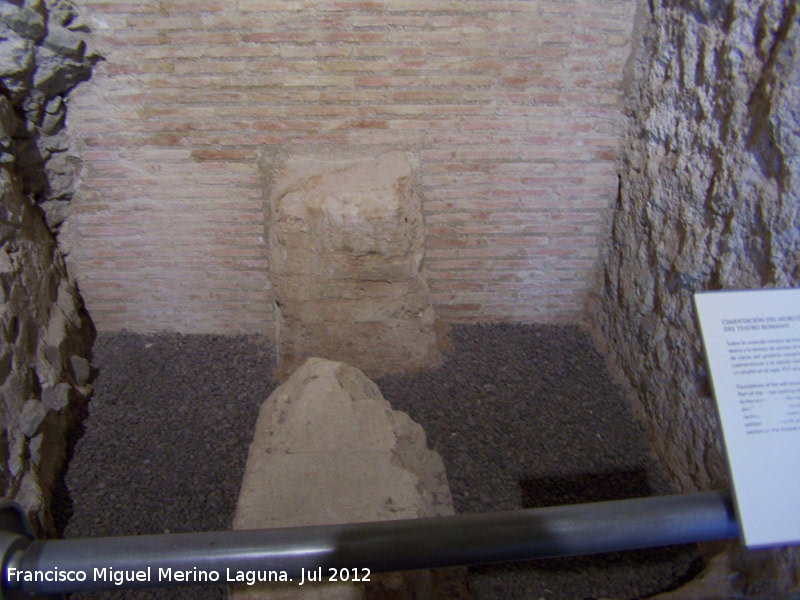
(523, 416)
(527, 416)
(166, 439)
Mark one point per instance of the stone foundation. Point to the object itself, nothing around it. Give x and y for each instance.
(346, 250)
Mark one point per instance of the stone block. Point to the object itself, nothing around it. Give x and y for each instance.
(53, 355)
(329, 449)
(31, 417)
(57, 397)
(64, 41)
(52, 122)
(28, 20)
(55, 212)
(16, 65)
(81, 369)
(337, 228)
(56, 73)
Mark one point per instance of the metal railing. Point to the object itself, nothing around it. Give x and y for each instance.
(220, 558)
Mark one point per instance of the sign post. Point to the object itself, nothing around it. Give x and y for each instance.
(752, 347)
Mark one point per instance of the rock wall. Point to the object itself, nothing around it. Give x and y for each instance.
(709, 198)
(43, 55)
(45, 335)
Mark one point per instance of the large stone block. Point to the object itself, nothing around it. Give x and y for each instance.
(346, 247)
(329, 449)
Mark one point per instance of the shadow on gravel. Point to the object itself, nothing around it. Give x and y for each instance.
(649, 571)
(592, 577)
(619, 484)
(62, 507)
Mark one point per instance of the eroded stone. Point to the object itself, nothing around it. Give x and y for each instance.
(346, 249)
(329, 449)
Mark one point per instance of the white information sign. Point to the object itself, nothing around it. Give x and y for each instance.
(752, 346)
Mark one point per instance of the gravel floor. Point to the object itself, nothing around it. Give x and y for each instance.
(523, 416)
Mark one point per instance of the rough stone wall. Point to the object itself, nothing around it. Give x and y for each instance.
(43, 55)
(709, 198)
(512, 108)
(45, 335)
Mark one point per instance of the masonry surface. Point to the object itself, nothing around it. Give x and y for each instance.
(511, 109)
(709, 200)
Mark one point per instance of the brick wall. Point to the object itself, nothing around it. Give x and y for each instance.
(512, 108)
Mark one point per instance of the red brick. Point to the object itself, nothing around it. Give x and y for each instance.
(222, 154)
(512, 108)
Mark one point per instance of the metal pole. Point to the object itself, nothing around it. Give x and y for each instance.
(217, 558)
